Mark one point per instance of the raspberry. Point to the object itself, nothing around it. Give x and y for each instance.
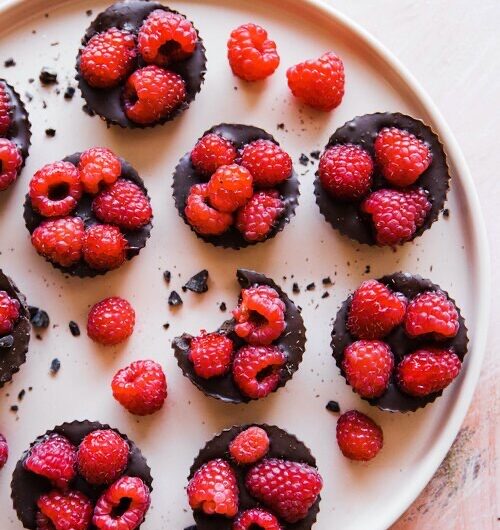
(318, 82)
(230, 188)
(257, 370)
(427, 371)
(288, 488)
(259, 215)
(10, 162)
(141, 387)
(257, 519)
(166, 37)
(98, 166)
(64, 511)
(267, 162)
(214, 489)
(249, 446)
(102, 457)
(5, 111)
(396, 215)
(4, 451)
(375, 310)
(108, 58)
(368, 366)
(111, 321)
(104, 247)
(401, 156)
(124, 204)
(211, 354)
(201, 216)
(60, 240)
(54, 458)
(211, 152)
(9, 313)
(432, 312)
(252, 56)
(55, 189)
(123, 506)
(358, 436)
(152, 93)
(260, 317)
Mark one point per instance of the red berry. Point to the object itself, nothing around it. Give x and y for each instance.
(211, 152)
(401, 156)
(98, 166)
(111, 321)
(358, 436)
(396, 215)
(4, 451)
(104, 247)
(152, 93)
(64, 511)
(257, 370)
(201, 216)
(211, 354)
(289, 489)
(10, 162)
(252, 56)
(427, 371)
(5, 111)
(249, 446)
(9, 313)
(259, 215)
(102, 457)
(108, 58)
(318, 82)
(257, 519)
(230, 188)
(214, 489)
(141, 387)
(267, 162)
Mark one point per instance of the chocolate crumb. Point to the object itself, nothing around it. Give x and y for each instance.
(14, 408)
(31, 80)
(295, 288)
(74, 328)
(327, 281)
(315, 154)
(88, 110)
(280, 126)
(166, 325)
(223, 306)
(69, 92)
(446, 213)
(326, 294)
(55, 43)
(39, 318)
(167, 276)
(21, 394)
(38, 336)
(198, 283)
(367, 269)
(88, 12)
(303, 159)
(55, 366)
(174, 299)
(28, 96)
(311, 287)
(6, 342)
(333, 406)
(48, 76)
(50, 132)
(9, 63)
(44, 104)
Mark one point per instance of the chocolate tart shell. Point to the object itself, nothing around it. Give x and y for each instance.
(27, 487)
(362, 130)
(185, 176)
(292, 342)
(394, 400)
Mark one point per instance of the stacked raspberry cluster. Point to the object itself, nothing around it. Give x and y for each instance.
(9, 314)
(11, 159)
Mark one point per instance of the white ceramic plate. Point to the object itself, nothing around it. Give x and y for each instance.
(453, 254)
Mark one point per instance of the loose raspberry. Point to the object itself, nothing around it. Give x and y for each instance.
(396, 215)
(401, 156)
(214, 489)
(108, 58)
(211, 152)
(60, 511)
(10, 162)
(211, 354)
(256, 519)
(250, 445)
(55, 189)
(432, 312)
(259, 215)
(54, 458)
(166, 37)
(358, 436)
(9, 313)
(123, 506)
(4, 451)
(5, 111)
(257, 370)
(318, 82)
(98, 166)
(60, 240)
(111, 321)
(260, 317)
(152, 93)
(289, 488)
(267, 162)
(230, 188)
(252, 56)
(104, 247)
(375, 310)
(141, 387)
(201, 216)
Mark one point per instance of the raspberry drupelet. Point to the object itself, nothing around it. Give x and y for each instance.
(201, 216)
(98, 167)
(111, 321)
(229, 188)
(267, 162)
(104, 247)
(5, 111)
(9, 313)
(211, 152)
(211, 354)
(358, 436)
(249, 446)
(4, 451)
(64, 511)
(10, 163)
(256, 518)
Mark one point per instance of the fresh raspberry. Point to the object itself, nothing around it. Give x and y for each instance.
(401, 156)
(252, 56)
(10, 163)
(375, 310)
(257, 370)
(230, 188)
(396, 215)
(5, 111)
(267, 162)
(432, 312)
(141, 387)
(104, 247)
(64, 511)
(123, 506)
(55, 189)
(60, 240)
(211, 354)
(259, 215)
(214, 489)
(288, 488)
(358, 436)
(111, 321)
(166, 37)
(108, 58)
(256, 519)
(211, 152)
(250, 445)
(318, 82)
(98, 166)
(4, 451)
(102, 457)
(260, 317)
(9, 313)
(201, 216)
(152, 93)
(54, 458)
